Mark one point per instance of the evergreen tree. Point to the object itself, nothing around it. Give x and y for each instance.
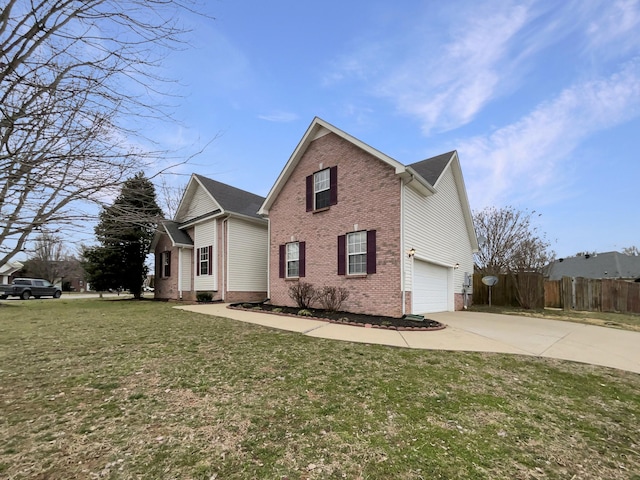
(125, 232)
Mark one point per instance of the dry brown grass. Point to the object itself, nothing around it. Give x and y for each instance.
(122, 389)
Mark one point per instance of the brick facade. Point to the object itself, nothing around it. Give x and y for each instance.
(166, 288)
(368, 199)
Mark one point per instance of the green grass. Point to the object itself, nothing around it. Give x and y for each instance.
(626, 321)
(123, 389)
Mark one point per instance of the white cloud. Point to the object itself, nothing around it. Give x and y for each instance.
(619, 23)
(529, 157)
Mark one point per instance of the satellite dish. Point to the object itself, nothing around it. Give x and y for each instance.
(489, 280)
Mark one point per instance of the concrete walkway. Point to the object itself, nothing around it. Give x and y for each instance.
(474, 332)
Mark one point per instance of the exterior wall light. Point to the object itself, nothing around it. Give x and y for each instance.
(411, 252)
(456, 266)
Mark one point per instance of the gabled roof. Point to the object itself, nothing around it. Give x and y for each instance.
(317, 129)
(432, 168)
(230, 200)
(422, 176)
(597, 265)
(10, 267)
(179, 238)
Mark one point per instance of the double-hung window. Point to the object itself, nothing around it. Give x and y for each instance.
(204, 261)
(321, 185)
(322, 189)
(293, 259)
(357, 253)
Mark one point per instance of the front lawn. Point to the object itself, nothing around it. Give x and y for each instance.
(123, 389)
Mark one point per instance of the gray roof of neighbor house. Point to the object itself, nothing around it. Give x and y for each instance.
(178, 237)
(232, 199)
(431, 168)
(597, 265)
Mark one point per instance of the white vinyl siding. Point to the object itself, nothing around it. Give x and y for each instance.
(435, 226)
(206, 235)
(186, 269)
(200, 204)
(247, 256)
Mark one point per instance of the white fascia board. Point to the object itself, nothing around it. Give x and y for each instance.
(418, 183)
(464, 200)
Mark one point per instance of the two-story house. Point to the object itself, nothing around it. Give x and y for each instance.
(399, 237)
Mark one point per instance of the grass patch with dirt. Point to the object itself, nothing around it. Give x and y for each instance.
(136, 389)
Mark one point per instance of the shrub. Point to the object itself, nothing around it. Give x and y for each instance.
(305, 313)
(204, 296)
(332, 298)
(303, 294)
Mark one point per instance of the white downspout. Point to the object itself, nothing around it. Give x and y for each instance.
(180, 273)
(225, 243)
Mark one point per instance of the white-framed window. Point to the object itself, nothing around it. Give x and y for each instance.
(293, 260)
(357, 253)
(321, 189)
(204, 261)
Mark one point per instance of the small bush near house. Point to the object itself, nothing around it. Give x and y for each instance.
(204, 297)
(332, 298)
(303, 294)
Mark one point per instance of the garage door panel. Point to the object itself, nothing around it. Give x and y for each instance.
(430, 288)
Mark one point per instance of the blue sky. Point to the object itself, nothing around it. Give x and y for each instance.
(540, 98)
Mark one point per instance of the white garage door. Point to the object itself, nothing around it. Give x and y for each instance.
(430, 288)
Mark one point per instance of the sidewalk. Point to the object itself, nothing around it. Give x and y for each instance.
(474, 332)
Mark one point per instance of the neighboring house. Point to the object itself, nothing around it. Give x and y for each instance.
(596, 265)
(399, 238)
(216, 243)
(8, 270)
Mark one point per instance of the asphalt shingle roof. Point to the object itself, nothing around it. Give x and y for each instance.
(233, 199)
(601, 265)
(431, 168)
(177, 236)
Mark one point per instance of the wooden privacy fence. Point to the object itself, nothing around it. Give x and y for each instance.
(505, 292)
(593, 294)
(585, 294)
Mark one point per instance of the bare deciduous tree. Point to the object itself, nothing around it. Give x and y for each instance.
(50, 259)
(511, 244)
(73, 75)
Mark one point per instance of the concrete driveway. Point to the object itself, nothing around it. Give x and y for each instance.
(474, 332)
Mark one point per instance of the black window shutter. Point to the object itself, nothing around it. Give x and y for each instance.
(168, 264)
(333, 185)
(159, 272)
(302, 258)
(342, 241)
(309, 193)
(210, 259)
(283, 262)
(371, 251)
(197, 261)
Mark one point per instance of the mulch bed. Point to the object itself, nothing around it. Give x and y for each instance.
(346, 318)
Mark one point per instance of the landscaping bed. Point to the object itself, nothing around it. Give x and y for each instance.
(346, 318)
